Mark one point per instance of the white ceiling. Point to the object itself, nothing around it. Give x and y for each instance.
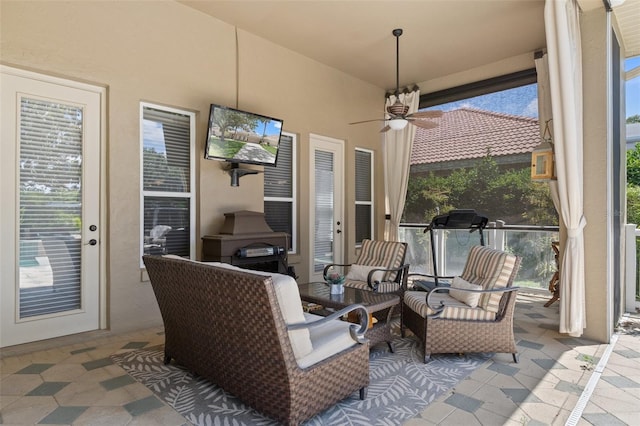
(441, 37)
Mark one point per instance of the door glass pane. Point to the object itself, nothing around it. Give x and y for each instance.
(50, 207)
(323, 246)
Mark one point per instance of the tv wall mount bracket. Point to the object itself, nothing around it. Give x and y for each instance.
(236, 173)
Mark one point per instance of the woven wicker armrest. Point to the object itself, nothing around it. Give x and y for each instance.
(356, 333)
(438, 309)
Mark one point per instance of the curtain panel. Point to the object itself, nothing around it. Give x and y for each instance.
(397, 162)
(562, 28)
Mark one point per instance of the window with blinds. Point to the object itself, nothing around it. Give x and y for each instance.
(280, 190)
(364, 195)
(168, 200)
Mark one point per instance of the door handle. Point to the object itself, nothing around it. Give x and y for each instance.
(339, 231)
(92, 242)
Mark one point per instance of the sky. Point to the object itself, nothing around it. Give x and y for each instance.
(153, 136)
(521, 101)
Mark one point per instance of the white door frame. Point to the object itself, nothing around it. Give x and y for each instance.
(335, 146)
(93, 270)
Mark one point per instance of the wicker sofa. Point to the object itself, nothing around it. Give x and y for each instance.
(236, 328)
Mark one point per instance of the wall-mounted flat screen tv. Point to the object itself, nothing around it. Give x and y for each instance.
(242, 137)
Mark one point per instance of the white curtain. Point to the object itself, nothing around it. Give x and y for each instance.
(562, 29)
(545, 114)
(397, 158)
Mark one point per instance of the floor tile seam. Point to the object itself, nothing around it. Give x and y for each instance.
(576, 413)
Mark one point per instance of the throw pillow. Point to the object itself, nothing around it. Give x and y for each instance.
(465, 297)
(361, 272)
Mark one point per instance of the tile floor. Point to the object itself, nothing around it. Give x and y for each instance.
(72, 380)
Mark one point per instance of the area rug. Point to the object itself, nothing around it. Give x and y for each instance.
(401, 387)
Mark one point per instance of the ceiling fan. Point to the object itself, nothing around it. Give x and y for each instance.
(397, 113)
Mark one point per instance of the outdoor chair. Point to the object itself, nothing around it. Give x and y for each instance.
(380, 267)
(475, 314)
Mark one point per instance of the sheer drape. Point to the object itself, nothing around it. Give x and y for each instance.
(562, 29)
(397, 161)
(545, 114)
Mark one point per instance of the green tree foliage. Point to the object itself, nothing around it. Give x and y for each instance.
(50, 168)
(633, 204)
(633, 119)
(160, 174)
(633, 165)
(507, 195)
(226, 120)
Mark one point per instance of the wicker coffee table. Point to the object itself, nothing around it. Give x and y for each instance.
(380, 305)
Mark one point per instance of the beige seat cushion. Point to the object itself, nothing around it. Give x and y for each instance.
(383, 287)
(327, 340)
(454, 309)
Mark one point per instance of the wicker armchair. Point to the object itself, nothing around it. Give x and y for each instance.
(380, 267)
(228, 325)
(447, 324)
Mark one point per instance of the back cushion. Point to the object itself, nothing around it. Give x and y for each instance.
(388, 254)
(491, 269)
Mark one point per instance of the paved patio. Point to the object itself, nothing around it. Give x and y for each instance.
(559, 380)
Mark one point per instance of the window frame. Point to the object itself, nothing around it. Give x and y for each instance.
(293, 200)
(190, 195)
(369, 203)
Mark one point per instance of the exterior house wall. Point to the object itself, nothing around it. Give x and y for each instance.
(166, 53)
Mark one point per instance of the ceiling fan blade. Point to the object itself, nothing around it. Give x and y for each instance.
(424, 124)
(425, 114)
(368, 121)
(385, 129)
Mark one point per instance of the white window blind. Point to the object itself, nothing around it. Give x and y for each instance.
(167, 180)
(323, 241)
(280, 189)
(50, 206)
(364, 194)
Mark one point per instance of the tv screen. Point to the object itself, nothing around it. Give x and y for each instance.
(242, 137)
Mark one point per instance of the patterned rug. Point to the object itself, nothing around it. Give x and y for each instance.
(401, 387)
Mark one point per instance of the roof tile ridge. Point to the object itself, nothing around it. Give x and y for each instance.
(495, 113)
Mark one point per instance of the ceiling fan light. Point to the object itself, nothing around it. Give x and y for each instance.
(397, 123)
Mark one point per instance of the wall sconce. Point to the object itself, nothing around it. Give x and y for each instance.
(542, 158)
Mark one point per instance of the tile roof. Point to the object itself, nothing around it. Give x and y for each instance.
(468, 133)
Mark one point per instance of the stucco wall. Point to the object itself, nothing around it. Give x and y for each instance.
(597, 206)
(166, 53)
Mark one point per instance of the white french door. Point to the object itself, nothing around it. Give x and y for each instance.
(50, 192)
(326, 189)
